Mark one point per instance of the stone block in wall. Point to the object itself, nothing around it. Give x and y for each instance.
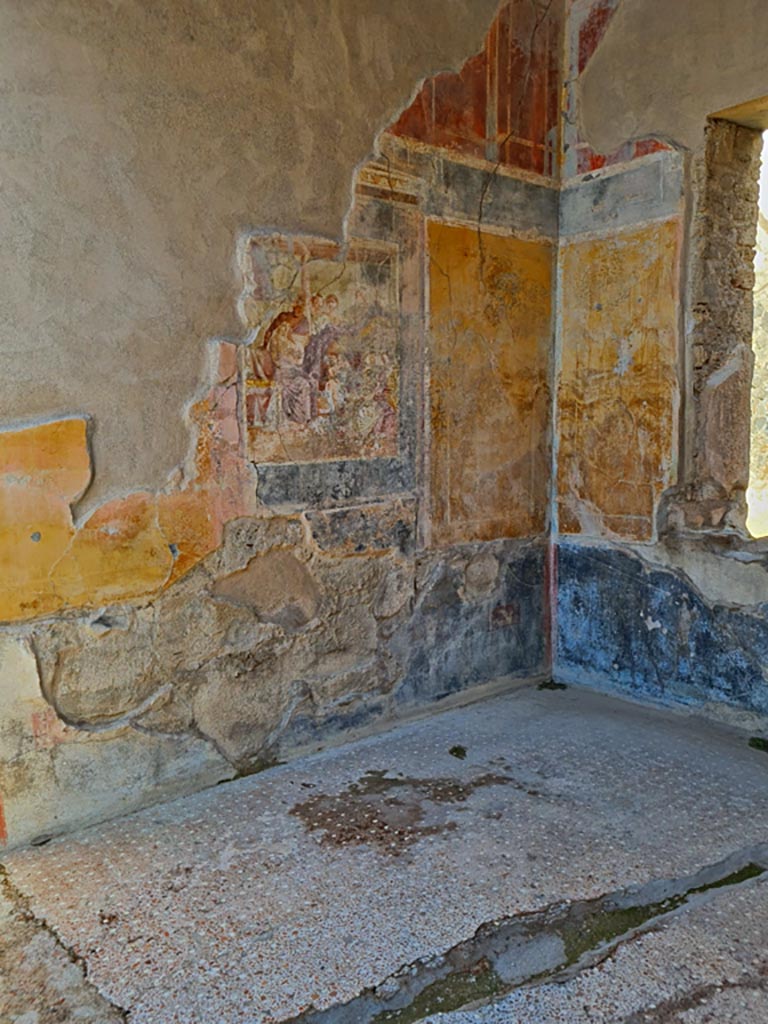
(92, 777)
(725, 421)
(471, 624)
(96, 672)
(256, 535)
(277, 586)
(365, 528)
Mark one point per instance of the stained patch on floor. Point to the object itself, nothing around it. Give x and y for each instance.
(390, 812)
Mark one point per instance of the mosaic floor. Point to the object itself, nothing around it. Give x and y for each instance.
(548, 855)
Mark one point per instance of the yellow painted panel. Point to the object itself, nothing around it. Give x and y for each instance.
(119, 552)
(490, 338)
(53, 455)
(618, 390)
(129, 547)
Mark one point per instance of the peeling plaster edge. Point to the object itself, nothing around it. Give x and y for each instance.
(49, 419)
(379, 132)
(41, 420)
(655, 556)
(576, 84)
(622, 166)
(114, 724)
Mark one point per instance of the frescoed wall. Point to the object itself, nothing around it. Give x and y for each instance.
(303, 572)
(618, 387)
(587, 22)
(127, 547)
(390, 388)
(503, 105)
(323, 370)
(661, 592)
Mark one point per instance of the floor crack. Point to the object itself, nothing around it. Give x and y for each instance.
(22, 907)
(534, 948)
(668, 1012)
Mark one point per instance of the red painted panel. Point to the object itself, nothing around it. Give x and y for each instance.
(504, 103)
(593, 29)
(449, 110)
(646, 146)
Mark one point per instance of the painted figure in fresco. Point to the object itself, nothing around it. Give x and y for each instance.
(320, 352)
(294, 358)
(287, 345)
(302, 374)
(264, 363)
(322, 376)
(384, 397)
(275, 360)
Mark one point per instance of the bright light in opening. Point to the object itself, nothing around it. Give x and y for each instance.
(757, 492)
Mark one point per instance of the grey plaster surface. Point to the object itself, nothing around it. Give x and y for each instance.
(137, 141)
(648, 190)
(662, 68)
(303, 885)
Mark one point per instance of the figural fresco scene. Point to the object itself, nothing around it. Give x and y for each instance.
(322, 370)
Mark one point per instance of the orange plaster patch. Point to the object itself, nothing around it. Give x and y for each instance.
(43, 470)
(192, 520)
(129, 547)
(35, 531)
(52, 456)
(119, 552)
(190, 527)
